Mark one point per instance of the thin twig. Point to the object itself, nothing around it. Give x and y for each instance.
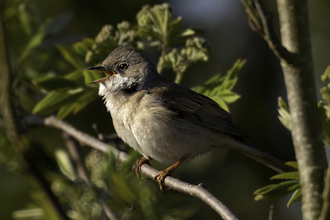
(173, 183)
(82, 171)
(325, 212)
(74, 153)
(264, 27)
(108, 211)
(105, 138)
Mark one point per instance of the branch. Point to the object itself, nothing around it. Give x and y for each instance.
(300, 86)
(260, 21)
(197, 191)
(296, 61)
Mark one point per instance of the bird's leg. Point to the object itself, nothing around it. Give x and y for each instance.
(160, 177)
(138, 164)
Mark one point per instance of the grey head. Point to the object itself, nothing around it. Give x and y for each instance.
(126, 69)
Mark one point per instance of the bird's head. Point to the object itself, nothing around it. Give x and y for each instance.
(126, 69)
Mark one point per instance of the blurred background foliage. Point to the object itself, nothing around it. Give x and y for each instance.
(51, 44)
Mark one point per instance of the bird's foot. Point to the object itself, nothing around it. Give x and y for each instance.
(138, 164)
(160, 177)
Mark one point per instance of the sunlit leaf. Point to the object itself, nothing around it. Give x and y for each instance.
(220, 102)
(231, 77)
(293, 164)
(91, 76)
(219, 86)
(228, 96)
(65, 110)
(276, 191)
(65, 164)
(88, 96)
(284, 114)
(33, 213)
(56, 99)
(296, 196)
(156, 22)
(29, 17)
(74, 107)
(76, 76)
(34, 42)
(294, 175)
(324, 106)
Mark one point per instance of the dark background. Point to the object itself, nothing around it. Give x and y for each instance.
(232, 177)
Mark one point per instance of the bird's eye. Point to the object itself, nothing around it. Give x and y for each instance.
(123, 66)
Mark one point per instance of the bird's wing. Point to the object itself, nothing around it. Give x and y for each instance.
(196, 108)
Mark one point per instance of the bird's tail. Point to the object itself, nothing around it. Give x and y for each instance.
(263, 157)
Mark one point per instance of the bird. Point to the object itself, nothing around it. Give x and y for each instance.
(165, 121)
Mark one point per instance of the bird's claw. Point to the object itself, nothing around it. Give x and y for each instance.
(160, 177)
(138, 164)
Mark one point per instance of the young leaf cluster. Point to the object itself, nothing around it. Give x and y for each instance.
(276, 191)
(71, 93)
(219, 87)
(324, 106)
(157, 25)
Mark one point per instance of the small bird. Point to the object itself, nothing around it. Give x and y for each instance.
(165, 121)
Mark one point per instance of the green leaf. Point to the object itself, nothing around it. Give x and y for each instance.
(29, 17)
(32, 213)
(231, 77)
(324, 106)
(76, 76)
(228, 96)
(65, 164)
(87, 97)
(326, 75)
(65, 111)
(26, 101)
(91, 76)
(293, 164)
(81, 102)
(34, 42)
(219, 87)
(55, 100)
(53, 83)
(220, 102)
(276, 191)
(82, 47)
(72, 56)
(296, 196)
(156, 23)
(284, 114)
(294, 175)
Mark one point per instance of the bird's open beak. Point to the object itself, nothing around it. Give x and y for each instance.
(102, 69)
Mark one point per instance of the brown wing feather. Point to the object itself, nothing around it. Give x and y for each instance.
(198, 108)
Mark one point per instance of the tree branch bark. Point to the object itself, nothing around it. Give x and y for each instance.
(301, 92)
(197, 191)
(296, 60)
